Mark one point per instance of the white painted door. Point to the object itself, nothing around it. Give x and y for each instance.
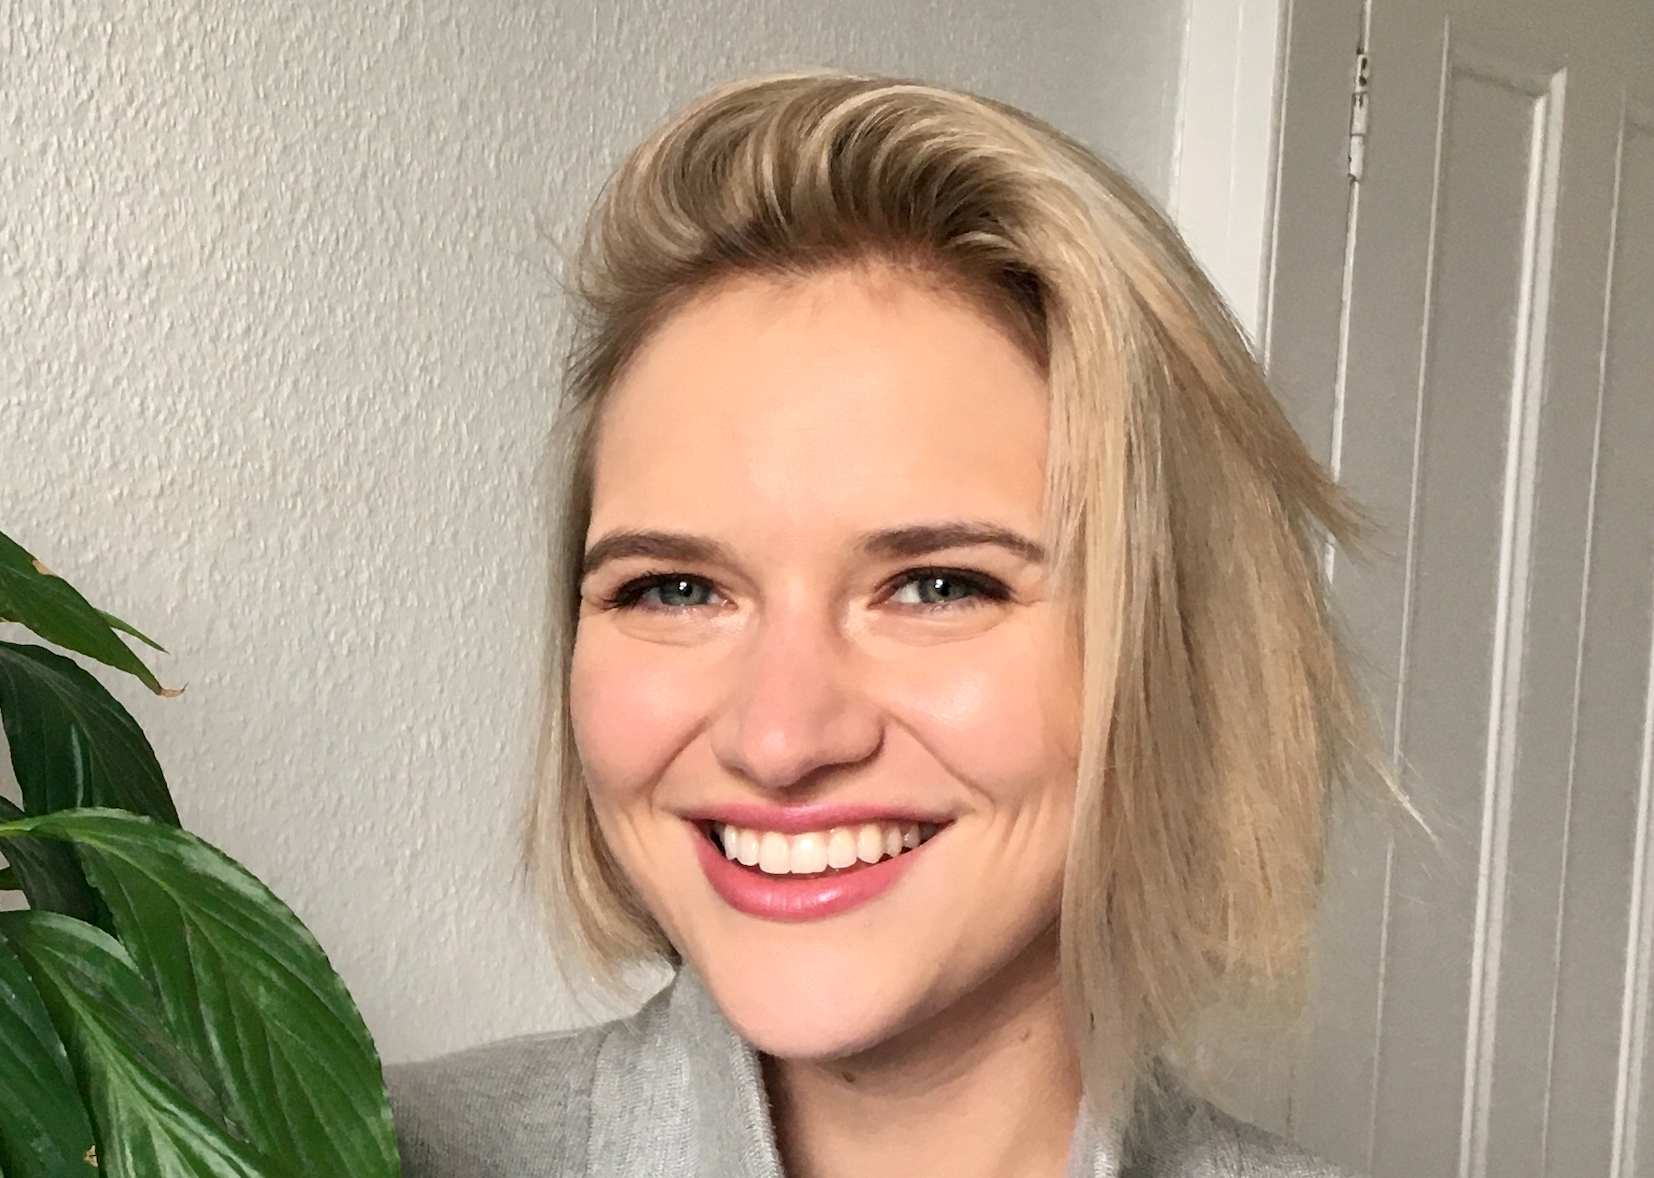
(1489, 393)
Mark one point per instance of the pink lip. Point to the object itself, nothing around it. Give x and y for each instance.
(799, 819)
(769, 897)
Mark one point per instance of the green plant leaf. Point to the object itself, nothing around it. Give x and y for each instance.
(55, 610)
(147, 1126)
(44, 1131)
(128, 628)
(244, 988)
(72, 743)
(50, 877)
(8, 880)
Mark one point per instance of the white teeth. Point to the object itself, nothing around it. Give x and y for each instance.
(816, 851)
(809, 854)
(774, 855)
(870, 844)
(841, 847)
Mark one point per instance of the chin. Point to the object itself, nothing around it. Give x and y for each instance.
(798, 1005)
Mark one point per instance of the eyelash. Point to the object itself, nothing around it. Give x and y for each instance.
(628, 595)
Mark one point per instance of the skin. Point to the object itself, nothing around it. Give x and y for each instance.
(922, 1032)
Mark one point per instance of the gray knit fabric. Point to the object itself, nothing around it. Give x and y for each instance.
(673, 1092)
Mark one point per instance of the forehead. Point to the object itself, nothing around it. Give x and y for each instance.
(838, 397)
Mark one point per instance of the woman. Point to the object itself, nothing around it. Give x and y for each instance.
(941, 676)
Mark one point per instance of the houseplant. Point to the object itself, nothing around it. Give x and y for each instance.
(162, 1013)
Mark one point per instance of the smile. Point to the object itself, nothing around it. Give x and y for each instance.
(813, 852)
(808, 875)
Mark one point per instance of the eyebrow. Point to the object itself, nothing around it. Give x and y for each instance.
(887, 544)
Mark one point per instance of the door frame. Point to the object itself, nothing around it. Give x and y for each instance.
(1224, 151)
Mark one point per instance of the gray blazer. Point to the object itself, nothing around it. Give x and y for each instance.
(673, 1092)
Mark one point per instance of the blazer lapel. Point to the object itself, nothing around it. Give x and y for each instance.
(678, 1094)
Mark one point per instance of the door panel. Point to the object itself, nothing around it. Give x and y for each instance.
(1605, 942)
(1469, 542)
(1483, 994)
(1628, 450)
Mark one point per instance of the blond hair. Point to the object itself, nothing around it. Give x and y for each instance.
(1184, 518)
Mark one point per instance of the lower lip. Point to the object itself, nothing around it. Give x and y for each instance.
(772, 897)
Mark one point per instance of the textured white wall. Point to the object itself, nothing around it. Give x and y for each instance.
(275, 328)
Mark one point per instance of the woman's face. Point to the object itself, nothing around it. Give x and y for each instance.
(815, 630)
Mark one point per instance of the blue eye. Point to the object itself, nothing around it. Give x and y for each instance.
(670, 586)
(944, 586)
(938, 590)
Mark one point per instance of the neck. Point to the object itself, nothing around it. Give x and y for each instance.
(989, 1086)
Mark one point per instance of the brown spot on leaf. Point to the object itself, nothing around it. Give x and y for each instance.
(91, 1158)
(45, 572)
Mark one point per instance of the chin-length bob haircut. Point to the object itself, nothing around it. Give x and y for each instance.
(1185, 519)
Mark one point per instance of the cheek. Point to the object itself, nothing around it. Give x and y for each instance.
(631, 715)
(1005, 721)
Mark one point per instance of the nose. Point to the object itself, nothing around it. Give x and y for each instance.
(796, 709)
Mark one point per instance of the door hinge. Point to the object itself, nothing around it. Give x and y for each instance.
(1358, 115)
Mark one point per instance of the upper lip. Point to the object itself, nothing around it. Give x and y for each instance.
(812, 816)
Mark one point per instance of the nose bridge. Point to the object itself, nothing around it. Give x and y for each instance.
(799, 703)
